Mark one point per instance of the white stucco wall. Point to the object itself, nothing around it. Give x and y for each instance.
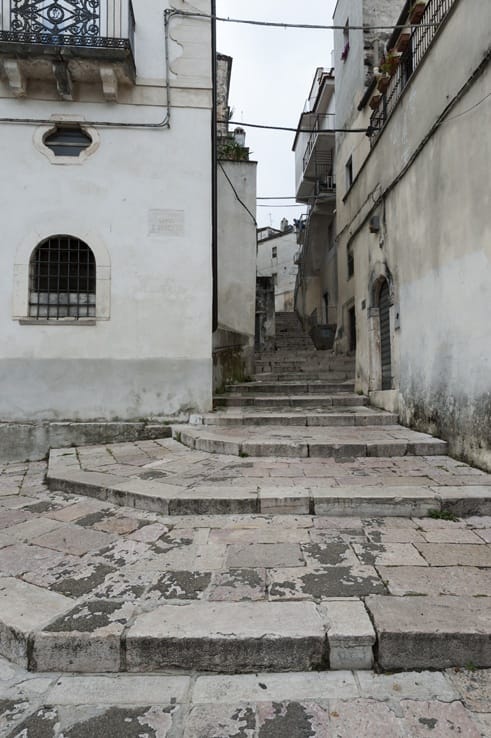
(142, 199)
(237, 246)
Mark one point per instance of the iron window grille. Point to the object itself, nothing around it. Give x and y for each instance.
(62, 280)
(67, 141)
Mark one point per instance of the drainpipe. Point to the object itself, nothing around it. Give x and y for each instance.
(214, 167)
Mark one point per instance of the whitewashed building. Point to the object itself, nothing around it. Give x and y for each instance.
(413, 216)
(276, 251)
(106, 189)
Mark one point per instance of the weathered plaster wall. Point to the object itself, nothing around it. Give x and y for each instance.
(236, 246)
(143, 200)
(233, 342)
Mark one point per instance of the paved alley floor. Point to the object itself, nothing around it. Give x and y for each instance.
(341, 704)
(84, 582)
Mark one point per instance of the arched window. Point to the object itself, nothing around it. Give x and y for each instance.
(62, 280)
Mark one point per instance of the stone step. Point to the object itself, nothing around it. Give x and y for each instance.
(227, 637)
(47, 632)
(155, 492)
(285, 401)
(316, 442)
(351, 416)
(295, 388)
(431, 632)
(308, 375)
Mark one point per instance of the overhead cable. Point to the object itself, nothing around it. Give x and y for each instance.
(293, 130)
(305, 26)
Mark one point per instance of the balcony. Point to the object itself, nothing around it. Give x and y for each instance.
(67, 42)
(316, 176)
(417, 41)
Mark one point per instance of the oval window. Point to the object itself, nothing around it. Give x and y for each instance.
(67, 141)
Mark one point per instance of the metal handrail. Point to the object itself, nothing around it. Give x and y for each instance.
(84, 23)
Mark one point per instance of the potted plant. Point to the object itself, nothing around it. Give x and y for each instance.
(417, 11)
(390, 63)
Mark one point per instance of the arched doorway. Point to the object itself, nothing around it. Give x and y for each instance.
(385, 340)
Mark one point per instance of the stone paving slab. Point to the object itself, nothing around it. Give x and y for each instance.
(236, 637)
(262, 705)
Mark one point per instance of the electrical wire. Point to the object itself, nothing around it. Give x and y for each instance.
(305, 26)
(236, 193)
(469, 110)
(299, 205)
(293, 130)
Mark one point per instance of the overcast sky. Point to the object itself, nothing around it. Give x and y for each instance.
(272, 73)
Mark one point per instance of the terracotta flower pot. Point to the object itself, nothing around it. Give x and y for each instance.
(417, 11)
(383, 83)
(403, 40)
(375, 101)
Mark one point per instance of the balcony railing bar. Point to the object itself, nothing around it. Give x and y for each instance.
(420, 41)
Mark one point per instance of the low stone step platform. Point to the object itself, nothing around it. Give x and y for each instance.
(278, 441)
(310, 400)
(348, 416)
(296, 388)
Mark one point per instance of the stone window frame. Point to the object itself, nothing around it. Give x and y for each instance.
(42, 132)
(21, 275)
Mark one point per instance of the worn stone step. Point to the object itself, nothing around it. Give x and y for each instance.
(153, 491)
(292, 388)
(285, 401)
(350, 416)
(315, 442)
(431, 632)
(60, 635)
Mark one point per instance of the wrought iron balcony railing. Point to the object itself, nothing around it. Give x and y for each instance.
(105, 24)
(320, 125)
(420, 40)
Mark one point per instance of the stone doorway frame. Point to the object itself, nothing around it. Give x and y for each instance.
(379, 275)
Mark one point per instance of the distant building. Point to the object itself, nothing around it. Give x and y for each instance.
(276, 251)
(413, 223)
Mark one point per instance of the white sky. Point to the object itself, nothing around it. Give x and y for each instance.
(272, 73)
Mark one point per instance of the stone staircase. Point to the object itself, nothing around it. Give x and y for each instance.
(286, 531)
(296, 388)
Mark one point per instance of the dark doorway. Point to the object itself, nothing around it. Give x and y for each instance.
(385, 348)
(352, 329)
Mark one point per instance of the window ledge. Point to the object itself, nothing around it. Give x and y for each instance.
(57, 321)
